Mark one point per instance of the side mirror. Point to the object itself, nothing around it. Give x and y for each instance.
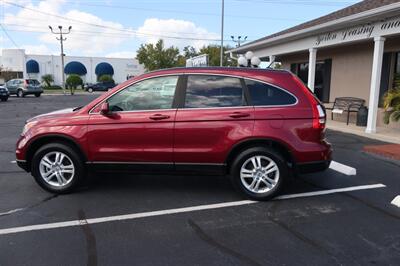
(105, 108)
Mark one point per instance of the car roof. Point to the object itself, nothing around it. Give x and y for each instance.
(227, 71)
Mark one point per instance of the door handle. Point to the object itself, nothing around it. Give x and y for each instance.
(239, 115)
(159, 117)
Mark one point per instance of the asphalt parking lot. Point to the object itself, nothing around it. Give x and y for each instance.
(197, 220)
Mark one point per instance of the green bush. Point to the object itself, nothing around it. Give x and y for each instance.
(391, 102)
(106, 78)
(73, 81)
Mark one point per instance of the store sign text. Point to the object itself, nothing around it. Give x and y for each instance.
(360, 32)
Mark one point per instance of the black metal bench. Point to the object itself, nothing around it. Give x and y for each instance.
(346, 104)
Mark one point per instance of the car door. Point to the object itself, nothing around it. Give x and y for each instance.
(139, 129)
(11, 86)
(214, 116)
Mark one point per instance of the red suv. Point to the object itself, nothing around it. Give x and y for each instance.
(256, 125)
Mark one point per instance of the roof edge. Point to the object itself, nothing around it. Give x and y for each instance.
(300, 33)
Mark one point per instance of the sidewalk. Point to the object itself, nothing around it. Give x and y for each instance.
(391, 151)
(383, 134)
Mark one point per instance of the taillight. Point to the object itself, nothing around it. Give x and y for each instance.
(319, 117)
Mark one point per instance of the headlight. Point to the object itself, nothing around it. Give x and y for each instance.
(28, 126)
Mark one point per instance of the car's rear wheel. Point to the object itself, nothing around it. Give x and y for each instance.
(57, 168)
(20, 93)
(4, 99)
(259, 173)
(37, 94)
(90, 90)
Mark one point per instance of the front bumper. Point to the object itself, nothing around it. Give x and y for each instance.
(22, 164)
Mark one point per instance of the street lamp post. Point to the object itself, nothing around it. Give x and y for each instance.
(238, 41)
(221, 60)
(61, 39)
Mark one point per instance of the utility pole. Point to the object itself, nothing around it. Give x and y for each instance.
(62, 39)
(238, 41)
(221, 60)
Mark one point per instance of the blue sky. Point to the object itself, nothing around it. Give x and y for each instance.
(117, 27)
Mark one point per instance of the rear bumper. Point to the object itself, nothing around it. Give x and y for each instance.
(312, 167)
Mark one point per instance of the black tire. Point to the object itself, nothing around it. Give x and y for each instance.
(78, 176)
(90, 90)
(37, 94)
(20, 93)
(259, 151)
(4, 99)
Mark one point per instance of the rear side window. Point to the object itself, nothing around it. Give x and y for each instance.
(213, 91)
(32, 82)
(264, 94)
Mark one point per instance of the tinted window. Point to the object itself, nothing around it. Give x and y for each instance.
(150, 94)
(32, 82)
(264, 94)
(213, 91)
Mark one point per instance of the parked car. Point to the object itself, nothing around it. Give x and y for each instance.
(100, 86)
(22, 87)
(257, 126)
(4, 94)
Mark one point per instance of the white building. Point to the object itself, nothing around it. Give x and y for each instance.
(89, 68)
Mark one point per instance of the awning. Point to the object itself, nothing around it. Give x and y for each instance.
(75, 67)
(32, 66)
(104, 68)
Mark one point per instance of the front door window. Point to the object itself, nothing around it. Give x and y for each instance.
(152, 94)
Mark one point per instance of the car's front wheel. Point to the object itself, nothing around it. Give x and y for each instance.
(90, 90)
(259, 173)
(57, 168)
(37, 94)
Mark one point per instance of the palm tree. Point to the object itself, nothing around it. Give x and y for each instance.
(48, 79)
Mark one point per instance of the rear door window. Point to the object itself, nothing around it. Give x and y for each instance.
(207, 91)
(263, 94)
(32, 82)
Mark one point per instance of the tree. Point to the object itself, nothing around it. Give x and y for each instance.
(106, 78)
(189, 51)
(156, 56)
(213, 52)
(48, 79)
(73, 81)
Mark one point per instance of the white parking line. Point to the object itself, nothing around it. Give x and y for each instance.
(132, 216)
(396, 201)
(13, 162)
(342, 168)
(12, 211)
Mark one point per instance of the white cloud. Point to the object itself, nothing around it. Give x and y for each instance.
(96, 36)
(175, 28)
(122, 54)
(85, 38)
(37, 49)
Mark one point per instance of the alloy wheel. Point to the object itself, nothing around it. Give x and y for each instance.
(56, 169)
(259, 174)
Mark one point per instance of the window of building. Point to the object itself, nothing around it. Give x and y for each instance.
(213, 91)
(150, 94)
(322, 77)
(264, 94)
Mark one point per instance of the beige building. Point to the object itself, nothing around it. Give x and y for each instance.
(353, 52)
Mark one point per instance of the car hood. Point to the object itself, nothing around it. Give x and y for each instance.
(54, 114)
